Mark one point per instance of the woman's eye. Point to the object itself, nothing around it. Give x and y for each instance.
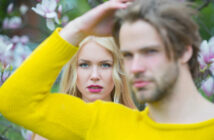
(105, 65)
(83, 65)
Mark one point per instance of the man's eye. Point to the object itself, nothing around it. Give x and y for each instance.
(83, 65)
(150, 51)
(106, 65)
(127, 55)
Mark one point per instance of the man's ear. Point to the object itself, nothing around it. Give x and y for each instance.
(187, 55)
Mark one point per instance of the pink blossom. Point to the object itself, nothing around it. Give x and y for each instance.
(206, 55)
(12, 54)
(10, 8)
(208, 86)
(65, 20)
(5, 55)
(47, 9)
(211, 68)
(22, 39)
(12, 23)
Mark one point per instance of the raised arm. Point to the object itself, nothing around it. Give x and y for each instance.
(25, 97)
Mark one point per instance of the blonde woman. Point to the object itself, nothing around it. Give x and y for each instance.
(96, 72)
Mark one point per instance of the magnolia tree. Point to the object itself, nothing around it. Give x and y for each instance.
(57, 13)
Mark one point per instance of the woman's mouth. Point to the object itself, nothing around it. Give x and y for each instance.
(95, 88)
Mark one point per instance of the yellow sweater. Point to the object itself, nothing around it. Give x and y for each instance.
(26, 100)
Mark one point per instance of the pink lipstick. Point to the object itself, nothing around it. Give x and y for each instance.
(95, 88)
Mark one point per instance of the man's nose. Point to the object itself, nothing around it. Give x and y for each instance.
(137, 65)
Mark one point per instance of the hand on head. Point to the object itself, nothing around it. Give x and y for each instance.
(98, 22)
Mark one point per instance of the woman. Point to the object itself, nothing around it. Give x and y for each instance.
(26, 99)
(97, 63)
(98, 59)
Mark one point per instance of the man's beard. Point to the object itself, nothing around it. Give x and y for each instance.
(161, 87)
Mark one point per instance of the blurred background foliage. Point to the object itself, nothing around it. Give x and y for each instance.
(34, 27)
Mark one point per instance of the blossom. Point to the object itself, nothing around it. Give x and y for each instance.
(23, 39)
(12, 53)
(5, 47)
(60, 9)
(20, 53)
(206, 56)
(211, 68)
(208, 86)
(12, 23)
(10, 8)
(47, 9)
(27, 134)
(23, 9)
(65, 20)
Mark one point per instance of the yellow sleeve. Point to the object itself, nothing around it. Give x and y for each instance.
(25, 97)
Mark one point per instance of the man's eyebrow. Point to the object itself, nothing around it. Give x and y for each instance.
(150, 47)
(143, 48)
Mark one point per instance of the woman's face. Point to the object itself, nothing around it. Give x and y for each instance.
(94, 72)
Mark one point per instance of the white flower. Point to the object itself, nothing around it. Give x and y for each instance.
(47, 9)
(12, 23)
(50, 24)
(60, 9)
(5, 52)
(23, 9)
(65, 20)
(22, 39)
(5, 45)
(10, 8)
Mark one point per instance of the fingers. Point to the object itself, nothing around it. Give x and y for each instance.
(114, 5)
(121, 4)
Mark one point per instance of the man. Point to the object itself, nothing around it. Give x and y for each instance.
(159, 42)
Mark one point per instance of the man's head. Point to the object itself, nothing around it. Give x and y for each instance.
(154, 35)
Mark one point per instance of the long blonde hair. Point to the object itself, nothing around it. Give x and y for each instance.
(120, 93)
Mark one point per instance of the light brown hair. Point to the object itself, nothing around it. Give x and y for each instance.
(173, 21)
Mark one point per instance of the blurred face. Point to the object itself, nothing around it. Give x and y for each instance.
(94, 72)
(152, 74)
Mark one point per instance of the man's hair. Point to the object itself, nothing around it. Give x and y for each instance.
(173, 21)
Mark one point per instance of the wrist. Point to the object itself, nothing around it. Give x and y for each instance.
(72, 33)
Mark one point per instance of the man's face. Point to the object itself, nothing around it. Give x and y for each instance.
(152, 74)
